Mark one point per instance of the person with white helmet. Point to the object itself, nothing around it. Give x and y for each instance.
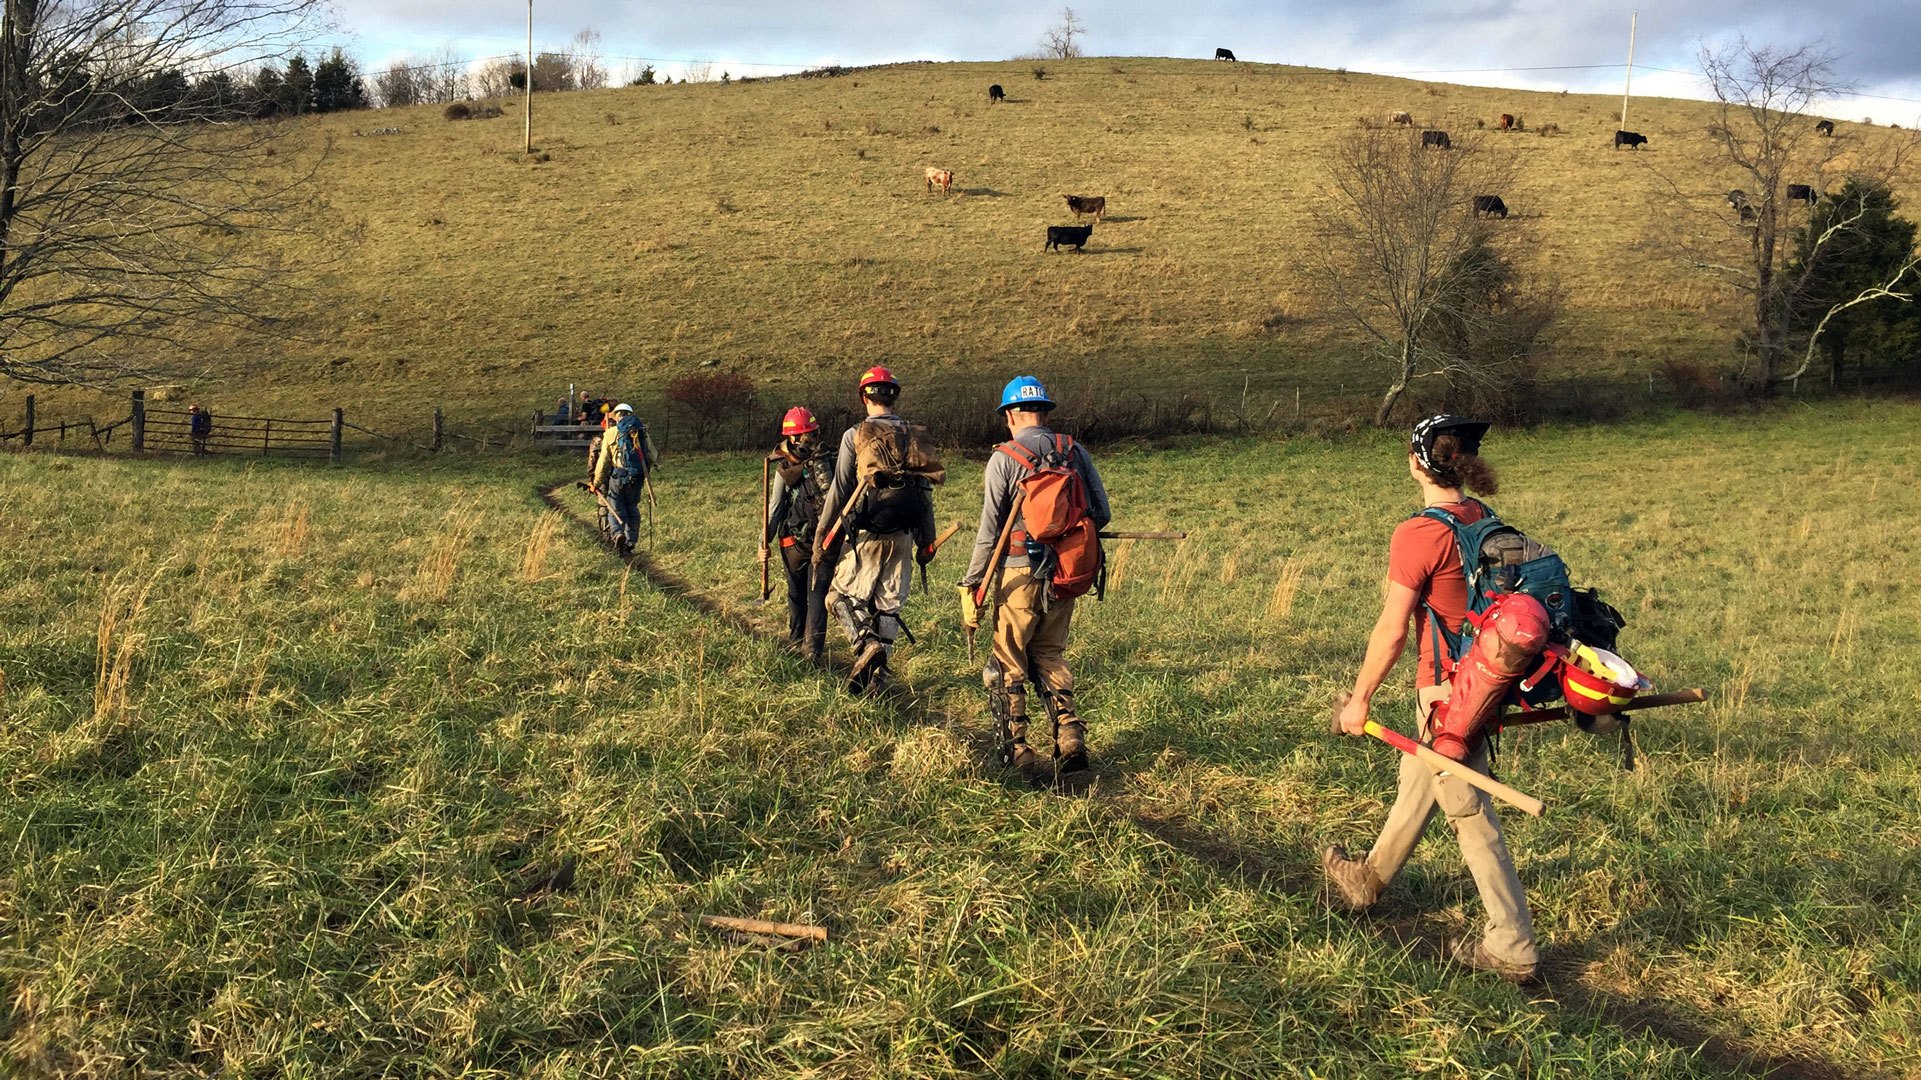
(620, 473)
(797, 486)
(1036, 551)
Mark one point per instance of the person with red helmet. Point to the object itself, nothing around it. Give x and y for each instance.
(801, 473)
(1427, 585)
(877, 520)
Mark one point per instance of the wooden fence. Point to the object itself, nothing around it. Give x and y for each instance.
(170, 431)
(548, 436)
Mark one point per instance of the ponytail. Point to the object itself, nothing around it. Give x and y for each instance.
(1450, 466)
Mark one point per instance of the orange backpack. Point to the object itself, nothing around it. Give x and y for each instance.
(1054, 517)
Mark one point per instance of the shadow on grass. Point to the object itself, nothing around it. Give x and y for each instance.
(983, 192)
(1561, 987)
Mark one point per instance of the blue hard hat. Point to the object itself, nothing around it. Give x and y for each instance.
(1026, 392)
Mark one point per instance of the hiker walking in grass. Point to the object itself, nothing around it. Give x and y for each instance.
(798, 487)
(199, 427)
(1427, 584)
(620, 473)
(879, 516)
(1035, 553)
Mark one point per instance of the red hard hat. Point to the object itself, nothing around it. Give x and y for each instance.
(876, 376)
(798, 421)
(1597, 682)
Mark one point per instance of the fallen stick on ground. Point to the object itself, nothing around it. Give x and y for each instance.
(757, 926)
(1560, 712)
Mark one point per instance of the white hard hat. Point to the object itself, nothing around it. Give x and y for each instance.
(623, 407)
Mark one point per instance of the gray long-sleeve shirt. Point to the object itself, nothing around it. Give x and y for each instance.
(842, 486)
(1002, 482)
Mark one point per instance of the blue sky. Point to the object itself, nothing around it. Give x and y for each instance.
(1539, 44)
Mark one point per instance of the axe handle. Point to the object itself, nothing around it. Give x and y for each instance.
(1124, 534)
(1440, 762)
(1560, 712)
(941, 540)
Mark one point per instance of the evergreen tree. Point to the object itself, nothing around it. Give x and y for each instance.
(337, 84)
(296, 87)
(1853, 242)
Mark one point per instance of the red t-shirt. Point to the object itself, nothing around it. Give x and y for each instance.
(1424, 557)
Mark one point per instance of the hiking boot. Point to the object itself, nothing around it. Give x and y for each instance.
(1475, 955)
(1015, 753)
(1070, 745)
(867, 659)
(1353, 880)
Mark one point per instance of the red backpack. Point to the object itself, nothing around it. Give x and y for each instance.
(1054, 515)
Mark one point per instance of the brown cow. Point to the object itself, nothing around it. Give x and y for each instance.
(1507, 121)
(942, 178)
(1087, 204)
(1401, 118)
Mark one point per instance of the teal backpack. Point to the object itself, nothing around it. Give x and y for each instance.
(630, 447)
(1499, 558)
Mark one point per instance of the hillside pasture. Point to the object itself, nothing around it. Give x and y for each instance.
(394, 772)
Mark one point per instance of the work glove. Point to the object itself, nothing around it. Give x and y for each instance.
(970, 611)
(924, 555)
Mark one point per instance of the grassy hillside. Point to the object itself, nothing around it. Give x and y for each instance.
(783, 228)
(292, 758)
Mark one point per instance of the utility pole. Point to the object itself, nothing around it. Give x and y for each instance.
(530, 76)
(1633, 21)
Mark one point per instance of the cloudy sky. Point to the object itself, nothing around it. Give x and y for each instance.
(1579, 45)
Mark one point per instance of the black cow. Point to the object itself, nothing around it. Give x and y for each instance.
(1738, 199)
(1223, 54)
(1802, 192)
(1087, 204)
(1436, 138)
(1490, 205)
(995, 94)
(1633, 140)
(1825, 127)
(1074, 236)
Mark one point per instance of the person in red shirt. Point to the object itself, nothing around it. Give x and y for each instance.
(1425, 583)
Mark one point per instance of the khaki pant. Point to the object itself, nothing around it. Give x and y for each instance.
(1470, 813)
(871, 583)
(1023, 633)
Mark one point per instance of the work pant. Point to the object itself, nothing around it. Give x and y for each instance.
(1509, 938)
(820, 581)
(1026, 634)
(799, 580)
(623, 506)
(872, 580)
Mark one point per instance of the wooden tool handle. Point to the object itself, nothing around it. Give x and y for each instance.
(1651, 701)
(1441, 763)
(1125, 534)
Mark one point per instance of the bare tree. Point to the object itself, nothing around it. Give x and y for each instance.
(445, 78)
(1764, 128)
(584, 51)
(399, 85)
(128, 219)
(1062, 40)
(1402, 251)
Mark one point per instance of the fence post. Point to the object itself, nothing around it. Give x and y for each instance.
(439, 423)
(29, 435)
(139, 420)
(333, 453)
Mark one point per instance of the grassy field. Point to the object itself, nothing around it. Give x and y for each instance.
(783, 228)
(392, 772)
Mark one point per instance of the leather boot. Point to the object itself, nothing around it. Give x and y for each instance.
(1017, 754)
(1070, 735)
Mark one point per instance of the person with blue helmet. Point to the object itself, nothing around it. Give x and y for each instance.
(1024, 582)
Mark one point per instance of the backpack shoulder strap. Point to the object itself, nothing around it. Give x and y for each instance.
(1020, 453)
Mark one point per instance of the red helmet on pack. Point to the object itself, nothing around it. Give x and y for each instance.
(798, 421)
(878, 376)
(1598, 682)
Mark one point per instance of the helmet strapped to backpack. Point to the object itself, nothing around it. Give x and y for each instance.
(896, 468)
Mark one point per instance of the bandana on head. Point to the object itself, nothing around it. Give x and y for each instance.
(1425, 432)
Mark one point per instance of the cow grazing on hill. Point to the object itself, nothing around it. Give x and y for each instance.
(941, 178)
(1436, 138)
(995, 94)
(1087, 204)
(1402, 117)
(1801, 193)
(1223, 54)
(1490, 205)
(1737, 198)
(1633, 140)
(1825, 127)
(1507, 121)
(1074, 236)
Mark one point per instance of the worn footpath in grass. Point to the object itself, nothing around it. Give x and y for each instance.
(384, 772)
